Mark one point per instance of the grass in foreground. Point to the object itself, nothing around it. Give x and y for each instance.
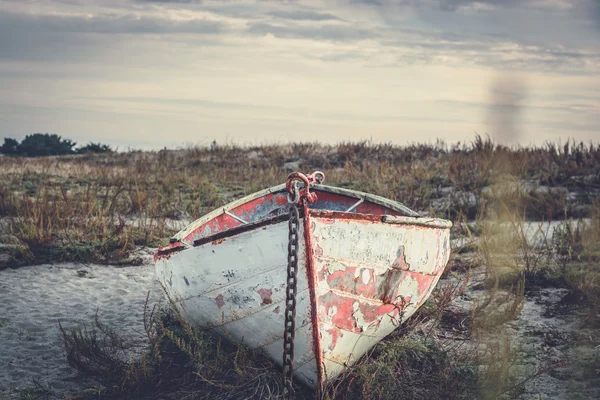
(178, 362)
(183, 363)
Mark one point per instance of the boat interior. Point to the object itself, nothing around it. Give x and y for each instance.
(271, 205)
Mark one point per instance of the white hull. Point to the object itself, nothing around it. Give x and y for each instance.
(361, 279)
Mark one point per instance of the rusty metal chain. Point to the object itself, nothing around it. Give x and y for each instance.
(289, 330)
(296, 197)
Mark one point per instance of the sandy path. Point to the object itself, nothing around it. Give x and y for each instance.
(33, 300)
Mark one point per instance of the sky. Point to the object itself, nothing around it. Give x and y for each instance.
(151, 74)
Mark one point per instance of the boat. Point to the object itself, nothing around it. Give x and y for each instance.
(364, 264)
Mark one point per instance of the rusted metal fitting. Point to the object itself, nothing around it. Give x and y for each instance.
(304, 192)
(317, 177)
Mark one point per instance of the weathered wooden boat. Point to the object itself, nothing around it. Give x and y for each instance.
(363, 265)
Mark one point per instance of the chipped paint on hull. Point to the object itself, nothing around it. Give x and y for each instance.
(368, 278)
(371, 277)
(360, 276)
(237, 288)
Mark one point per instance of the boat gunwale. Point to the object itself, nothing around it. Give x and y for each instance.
(382, 201)
(338, 215)
(215, 237)
(425, 222)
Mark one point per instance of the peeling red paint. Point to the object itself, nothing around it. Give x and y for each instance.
(253, 226)
(352, 298)
(327, 221)
(388, 286)
(359, 281)
(335, 333)
(248, 212)
(323, 272)
(387, 290)
(164, 252)
(343, 312)
(317, 250)
(281, 200)
(331, 217)
(400, 261)
(219, 300)
(363, 208)
(351, 280)
(364, 282)
(173, 245)
(265, 295)
(158, 256)
(245, 211)
(338, 311)
(372, 313)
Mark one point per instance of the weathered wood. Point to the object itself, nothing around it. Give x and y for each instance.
(362, 274)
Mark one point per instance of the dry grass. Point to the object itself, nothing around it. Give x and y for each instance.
(102, 207)
(177, 362)
(83, 205)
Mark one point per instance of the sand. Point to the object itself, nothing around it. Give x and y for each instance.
(547, 331)
(34, 299)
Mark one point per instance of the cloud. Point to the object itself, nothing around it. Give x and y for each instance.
(376, 3)
(106, 23)
(303, 67)
(322, 32)
(473, 5)
(496, 51)
(63, 38)
(595, 13)
(195, 102)
(50, 36)
(171, 1)
(303, 15)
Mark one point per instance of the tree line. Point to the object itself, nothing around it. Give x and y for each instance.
(46, 144)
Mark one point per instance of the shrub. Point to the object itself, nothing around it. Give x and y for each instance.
(44, 144)
(9, 147)
(94, 148)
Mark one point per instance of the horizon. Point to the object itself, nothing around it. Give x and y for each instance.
(149, 74)
(438, 143)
